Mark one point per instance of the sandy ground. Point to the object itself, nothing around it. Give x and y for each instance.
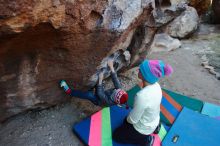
(52, 127)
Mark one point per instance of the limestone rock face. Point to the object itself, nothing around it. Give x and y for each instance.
(44, 41)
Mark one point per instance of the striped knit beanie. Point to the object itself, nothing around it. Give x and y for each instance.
(153, 70)
(119, 96)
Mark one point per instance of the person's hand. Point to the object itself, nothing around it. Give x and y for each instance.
(101, 76)
(110, 64)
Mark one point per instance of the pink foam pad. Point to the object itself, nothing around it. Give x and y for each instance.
(157, 141)
(95, 135)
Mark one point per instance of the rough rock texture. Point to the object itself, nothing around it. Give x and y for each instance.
(167, 14)
(44, 41)
(48, 40)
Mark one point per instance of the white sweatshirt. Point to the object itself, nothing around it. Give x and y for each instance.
(145, 115)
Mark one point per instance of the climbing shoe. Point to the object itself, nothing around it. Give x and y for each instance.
(64, 85)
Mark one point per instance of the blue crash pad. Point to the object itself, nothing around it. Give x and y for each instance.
(193, 129)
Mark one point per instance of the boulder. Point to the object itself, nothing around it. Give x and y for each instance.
(184, 25)
(163, 42)
(44, 41)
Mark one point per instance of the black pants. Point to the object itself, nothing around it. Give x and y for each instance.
(127, 134)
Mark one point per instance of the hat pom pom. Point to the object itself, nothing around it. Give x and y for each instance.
(168, 70)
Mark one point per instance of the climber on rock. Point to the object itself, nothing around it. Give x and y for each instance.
(100, 96)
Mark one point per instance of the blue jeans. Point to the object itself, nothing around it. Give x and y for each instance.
(89, 95)
(100, 97)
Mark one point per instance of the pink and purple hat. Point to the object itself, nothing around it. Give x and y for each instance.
(153, 70)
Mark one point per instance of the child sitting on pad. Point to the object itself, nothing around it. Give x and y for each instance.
(144, 118)
(101, 97)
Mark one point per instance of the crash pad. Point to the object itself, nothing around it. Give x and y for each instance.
(193, 129)
(97, 129)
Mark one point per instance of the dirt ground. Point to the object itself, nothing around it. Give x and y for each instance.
(53, 126)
